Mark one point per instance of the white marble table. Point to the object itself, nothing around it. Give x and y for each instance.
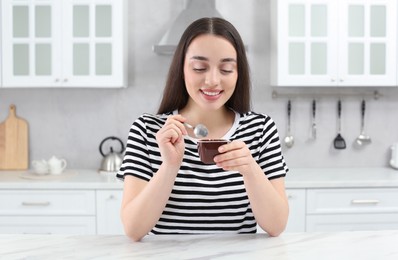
(380, 245)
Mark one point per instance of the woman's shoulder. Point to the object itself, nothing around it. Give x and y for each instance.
(151, 120)
(255, 116)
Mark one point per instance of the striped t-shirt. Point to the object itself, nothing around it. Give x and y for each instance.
(205, 198)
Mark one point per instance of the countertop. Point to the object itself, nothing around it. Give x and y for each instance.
(339, 245)
(296, 178)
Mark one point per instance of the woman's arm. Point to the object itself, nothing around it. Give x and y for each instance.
(267, 197)
(143, 202)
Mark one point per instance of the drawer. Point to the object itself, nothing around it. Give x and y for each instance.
(82, 225)
(47, 202)
(330, 201)
(351, 222)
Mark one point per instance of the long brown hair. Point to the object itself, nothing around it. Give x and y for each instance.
(175, 95)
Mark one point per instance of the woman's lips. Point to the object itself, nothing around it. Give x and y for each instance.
(211, 94)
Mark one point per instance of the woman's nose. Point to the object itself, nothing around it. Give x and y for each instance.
(212, 78)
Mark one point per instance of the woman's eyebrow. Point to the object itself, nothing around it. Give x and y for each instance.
(202, 58)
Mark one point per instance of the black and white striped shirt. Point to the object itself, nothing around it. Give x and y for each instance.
(205, 198)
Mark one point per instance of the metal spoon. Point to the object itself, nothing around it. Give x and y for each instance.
(200, 131)
(363, 138)
(289, 140)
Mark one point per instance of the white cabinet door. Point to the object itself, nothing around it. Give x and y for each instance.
(334, 43)
(63, 43)
(305, 43)
(93, 43)
(108, 212)
(296, 221)
(297, 200)
(367, 43)
(31, 43)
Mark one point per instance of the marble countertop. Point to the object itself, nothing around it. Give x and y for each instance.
(296, 178)
(339, 245)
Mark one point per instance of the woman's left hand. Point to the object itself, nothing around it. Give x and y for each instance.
(235, 156)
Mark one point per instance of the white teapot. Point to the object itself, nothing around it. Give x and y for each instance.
(394, 156)
(56, 166)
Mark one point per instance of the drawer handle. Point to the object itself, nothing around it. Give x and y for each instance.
(36, 204)
(362, 202)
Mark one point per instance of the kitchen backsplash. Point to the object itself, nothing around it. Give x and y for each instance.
(71, 123)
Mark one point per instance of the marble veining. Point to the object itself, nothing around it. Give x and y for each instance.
(338, 245)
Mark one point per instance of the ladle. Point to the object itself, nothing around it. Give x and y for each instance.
(363, 138)
(289, 140)
(200, 131)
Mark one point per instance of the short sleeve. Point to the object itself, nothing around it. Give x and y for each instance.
(136, 161)
(271, 159)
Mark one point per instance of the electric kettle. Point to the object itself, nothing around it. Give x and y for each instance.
(112, 160)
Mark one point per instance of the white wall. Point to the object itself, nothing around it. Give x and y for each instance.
(71, 123)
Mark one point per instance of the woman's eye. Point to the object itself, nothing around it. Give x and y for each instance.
(226, 71)
(199, 69)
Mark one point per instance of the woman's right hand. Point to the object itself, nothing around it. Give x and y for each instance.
(170, 139)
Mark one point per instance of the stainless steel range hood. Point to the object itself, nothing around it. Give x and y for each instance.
(194, 9)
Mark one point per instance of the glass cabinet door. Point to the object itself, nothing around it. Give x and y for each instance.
(30, 43)
(306, 43)
(93, 49)
(368, 43)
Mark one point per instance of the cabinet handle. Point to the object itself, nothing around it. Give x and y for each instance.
(65, 80)
(332, 80)
(341, 80)
(365, 202)
(290, 196)
(36, 204)
(111, 197)
(56, 80)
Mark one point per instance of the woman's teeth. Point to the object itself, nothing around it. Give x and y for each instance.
(211, 93)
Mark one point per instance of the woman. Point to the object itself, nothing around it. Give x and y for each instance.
(167, 189)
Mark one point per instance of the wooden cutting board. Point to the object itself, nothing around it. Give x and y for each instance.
(14, 142)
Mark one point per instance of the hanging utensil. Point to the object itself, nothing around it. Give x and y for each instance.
(363, 138)
(339, 142)
(313, 125)
(289, 139)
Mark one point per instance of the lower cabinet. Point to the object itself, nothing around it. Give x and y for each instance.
(108, 212)
(352, 209)
(297, 200)
(47, 212)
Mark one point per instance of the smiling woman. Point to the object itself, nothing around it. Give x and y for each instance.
(167, 188)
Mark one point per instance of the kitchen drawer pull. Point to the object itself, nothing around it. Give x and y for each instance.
(365, 202)
(42, 204)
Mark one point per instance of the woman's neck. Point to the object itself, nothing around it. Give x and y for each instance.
(217, 122)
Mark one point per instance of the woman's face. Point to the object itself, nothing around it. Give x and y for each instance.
(210, 71)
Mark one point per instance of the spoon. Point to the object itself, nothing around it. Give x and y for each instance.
(363, 138)
(289, 140)
(200, 131)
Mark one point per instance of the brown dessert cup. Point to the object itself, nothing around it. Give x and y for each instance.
(208, 148)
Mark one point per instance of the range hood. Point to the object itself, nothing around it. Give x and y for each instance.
(194, 9)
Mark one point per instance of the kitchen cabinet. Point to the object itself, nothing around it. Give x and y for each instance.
(352, 209)
(47, 211)
(108, 212)
(63, 43)
(297, 215)
(334, 43)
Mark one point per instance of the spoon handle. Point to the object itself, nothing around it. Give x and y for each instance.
(188, 125)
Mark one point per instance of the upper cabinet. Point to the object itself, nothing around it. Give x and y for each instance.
(52, 43)
(334, 43)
